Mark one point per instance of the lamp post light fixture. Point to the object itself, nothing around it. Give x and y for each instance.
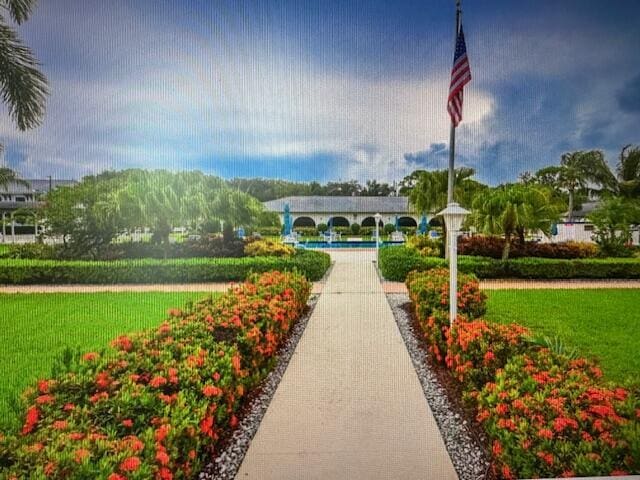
(377, 217)
(453, 215)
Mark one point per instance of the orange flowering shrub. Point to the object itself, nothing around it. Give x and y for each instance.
(549, 416)
(545, 414)
(477, 349)
(156, 404)
(429, 293)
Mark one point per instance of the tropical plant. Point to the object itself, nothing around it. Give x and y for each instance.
(580, 173)
(628, 172)
(513, 210)
(612, 220)
(23, 87)
(429, 191)
(8, 177)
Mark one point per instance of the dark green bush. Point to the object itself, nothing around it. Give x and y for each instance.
(355, 228)
(396, 262)
(388, 228)
(306, 231)
(268, 231)
(322, 227)
(23, 272)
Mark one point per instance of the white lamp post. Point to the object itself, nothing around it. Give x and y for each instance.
(377, 217)
(453, 217)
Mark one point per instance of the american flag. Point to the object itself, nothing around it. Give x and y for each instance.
(460, 76)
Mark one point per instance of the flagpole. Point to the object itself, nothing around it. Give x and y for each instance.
(452, 131)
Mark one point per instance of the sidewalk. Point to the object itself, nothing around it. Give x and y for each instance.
(350, 405)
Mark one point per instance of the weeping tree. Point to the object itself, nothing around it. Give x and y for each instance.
(514, 210)
(628, 172)
(23, 88)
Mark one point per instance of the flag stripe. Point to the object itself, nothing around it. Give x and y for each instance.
(460, 76)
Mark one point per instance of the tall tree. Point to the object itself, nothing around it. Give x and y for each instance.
(512, 210)
(628, 171)
(581, 172)
(8, 176)
(23, 87)
(428, 190)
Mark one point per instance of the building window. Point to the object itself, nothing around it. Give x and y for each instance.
(588, 228)
(20, 199)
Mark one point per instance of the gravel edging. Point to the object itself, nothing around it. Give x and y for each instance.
(227, 462)
(467, 455)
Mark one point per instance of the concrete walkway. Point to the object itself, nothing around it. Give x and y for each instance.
(350, 405)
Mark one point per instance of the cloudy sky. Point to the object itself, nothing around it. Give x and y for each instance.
(326, 90)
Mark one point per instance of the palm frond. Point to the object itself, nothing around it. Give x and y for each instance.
(23, 87)
(20, 10)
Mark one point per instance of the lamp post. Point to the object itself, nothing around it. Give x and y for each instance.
(377, 217)
(453, 217)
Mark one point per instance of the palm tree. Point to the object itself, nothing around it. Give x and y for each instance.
(514, 209)
(429, 193)
(579, 172)
(628, 171)
(8, 177)
(23, 87)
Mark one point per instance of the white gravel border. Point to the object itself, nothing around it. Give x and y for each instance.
(465, 451)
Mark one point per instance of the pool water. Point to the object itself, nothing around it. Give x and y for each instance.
(342, 244)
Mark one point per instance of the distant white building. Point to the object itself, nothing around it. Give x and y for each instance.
(15, 197)
(580, 228)
(344, 211)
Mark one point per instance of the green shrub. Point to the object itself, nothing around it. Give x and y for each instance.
(367, 231)
(22, 272)
(268, 231)
(388, 228)
(306, 231)
(29, 250)
(427, 246)
(268, 248)
(157, 403)
(322, 227)
(355, 228)
(396, 262)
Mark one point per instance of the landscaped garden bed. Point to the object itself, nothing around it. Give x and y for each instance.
(543, 412)
(159, 403)
(396, 263)
(28, 271)
(58, 322)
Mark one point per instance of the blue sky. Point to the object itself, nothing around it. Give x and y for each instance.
(326, 90)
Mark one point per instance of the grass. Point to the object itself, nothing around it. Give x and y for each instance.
(35, 328)
(602, 323)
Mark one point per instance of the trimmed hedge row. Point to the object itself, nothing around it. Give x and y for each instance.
(545, 414)
(156, 404)
(24, 272)
(396, 262)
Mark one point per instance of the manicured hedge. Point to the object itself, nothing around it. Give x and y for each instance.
(397, 262)
(492, 246)
(157, 404)
(545, 414)
(23, 272)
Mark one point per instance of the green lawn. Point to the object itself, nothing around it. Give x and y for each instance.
(35, 328)
(600, 323)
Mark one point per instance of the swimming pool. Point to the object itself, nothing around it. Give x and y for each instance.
(342, 244)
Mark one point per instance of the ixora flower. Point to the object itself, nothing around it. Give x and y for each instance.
(89, 413)
(559, 409)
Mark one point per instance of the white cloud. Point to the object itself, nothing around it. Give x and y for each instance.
(221, 94)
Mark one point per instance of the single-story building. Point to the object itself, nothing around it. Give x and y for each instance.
(343, 211)
(16, 196)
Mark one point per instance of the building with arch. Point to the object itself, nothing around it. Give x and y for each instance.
(344, 211)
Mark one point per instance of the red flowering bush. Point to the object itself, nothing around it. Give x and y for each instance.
(429, 293)
(477, 349)
(156, 404)
(549, 416)
(492, 246)
(545, 414)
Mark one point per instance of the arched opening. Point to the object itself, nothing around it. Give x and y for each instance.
(338, 222)
(407, 222)
(371, 222)
(304, 222)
